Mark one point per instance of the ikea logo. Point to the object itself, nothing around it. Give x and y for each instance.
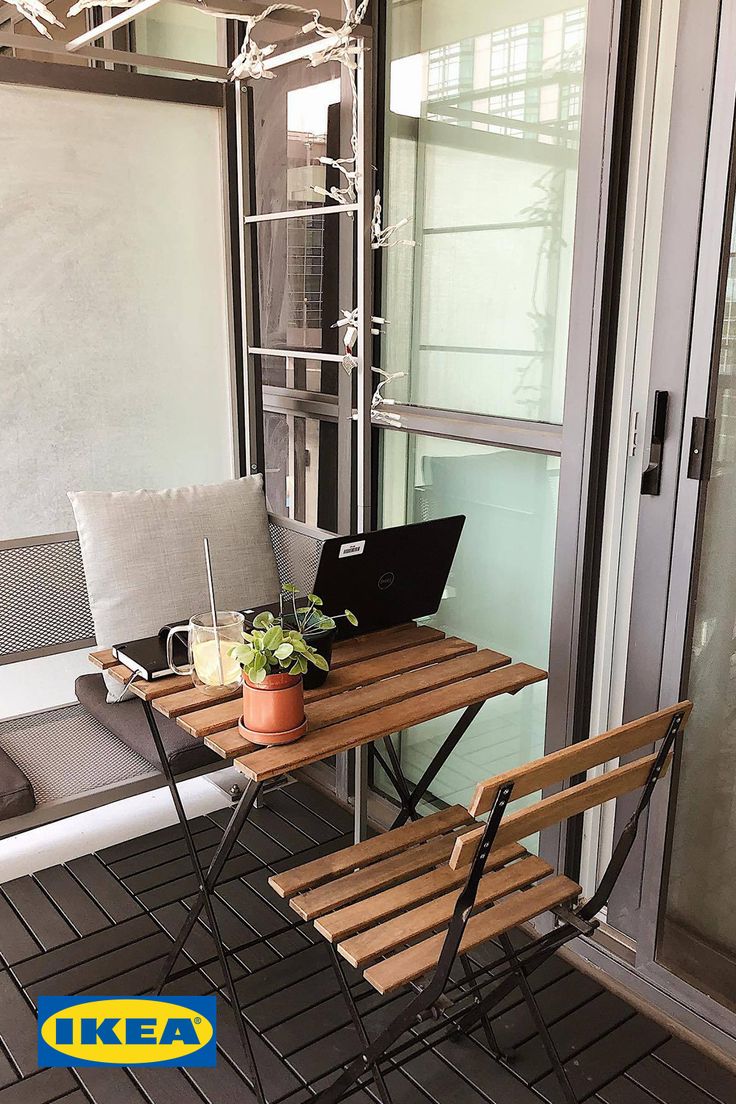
(127, 1031)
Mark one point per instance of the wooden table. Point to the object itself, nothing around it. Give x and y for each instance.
(379, 684)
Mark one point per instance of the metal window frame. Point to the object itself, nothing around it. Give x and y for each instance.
(580, 441)
(293, 401)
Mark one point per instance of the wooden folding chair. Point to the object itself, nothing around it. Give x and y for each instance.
(405, 907)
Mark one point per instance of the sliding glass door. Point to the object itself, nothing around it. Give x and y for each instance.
(490, 155)
(676, 901)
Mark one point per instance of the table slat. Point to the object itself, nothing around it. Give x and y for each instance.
(377, 671)
(103, 660)
(390, 690)
(274, 761)
(195, 699)
(381, 643)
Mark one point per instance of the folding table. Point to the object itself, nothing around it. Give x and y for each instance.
(379, 684)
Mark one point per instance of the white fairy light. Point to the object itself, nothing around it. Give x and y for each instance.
(249, 64)
(82, 5)
(36, 12)
(382, 236)
(388, 377)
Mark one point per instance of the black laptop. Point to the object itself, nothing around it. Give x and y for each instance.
(386, 577)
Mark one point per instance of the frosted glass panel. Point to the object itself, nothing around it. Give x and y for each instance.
(482, 151)
(499, 593)
(114, 338)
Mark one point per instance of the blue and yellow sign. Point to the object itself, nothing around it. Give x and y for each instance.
(127, 1031)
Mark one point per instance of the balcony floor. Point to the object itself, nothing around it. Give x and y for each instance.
(101, 924)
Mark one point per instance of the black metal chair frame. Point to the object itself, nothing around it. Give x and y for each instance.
(462, 1004)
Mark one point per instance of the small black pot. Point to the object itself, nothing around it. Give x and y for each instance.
(321, 642)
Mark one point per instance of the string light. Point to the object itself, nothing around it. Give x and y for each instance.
(35, 12)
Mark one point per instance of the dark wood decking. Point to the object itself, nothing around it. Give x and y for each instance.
(101, 924)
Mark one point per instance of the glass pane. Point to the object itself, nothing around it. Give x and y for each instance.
(499, 593)
(175, 31)
(304, 375)
(482, 151)
(304, 280)
(698, 937)
(301, 468)
(298, 119)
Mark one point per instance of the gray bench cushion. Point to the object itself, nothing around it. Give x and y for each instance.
(128, 722)
(16, 792)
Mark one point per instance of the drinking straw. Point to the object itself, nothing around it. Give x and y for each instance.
(213, 607)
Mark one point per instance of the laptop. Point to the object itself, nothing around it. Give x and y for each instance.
(386, 577)
(389, 576)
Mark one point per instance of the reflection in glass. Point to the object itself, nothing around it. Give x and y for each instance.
(698, 936)
(499, 594)
(482, 148)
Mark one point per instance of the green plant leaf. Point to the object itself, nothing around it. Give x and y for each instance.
(284, 650)
(351, 617)
(258, 662)
(257, 676)
(263, 620)
(326, 623)
(289, 588)
(320, 661)
(273, 638)
(315, 600)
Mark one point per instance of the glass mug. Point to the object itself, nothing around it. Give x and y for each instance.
(210, 672)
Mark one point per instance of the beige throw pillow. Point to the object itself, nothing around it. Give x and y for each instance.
(144, 562)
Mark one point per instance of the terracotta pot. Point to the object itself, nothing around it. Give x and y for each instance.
(273, 710)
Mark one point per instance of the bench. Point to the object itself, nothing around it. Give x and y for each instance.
(406, 907)
(56, 761)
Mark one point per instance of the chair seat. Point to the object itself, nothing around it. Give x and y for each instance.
(386, 903)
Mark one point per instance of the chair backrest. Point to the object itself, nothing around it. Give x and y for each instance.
(566, 764)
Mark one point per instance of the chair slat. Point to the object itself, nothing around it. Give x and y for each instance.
(354, 918)
(363, 883)
(274, 761)
(408, 965)
(561, 765)
(560, 806)
(291, 882)
(386, 937)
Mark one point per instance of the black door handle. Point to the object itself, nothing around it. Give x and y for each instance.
(652, 476)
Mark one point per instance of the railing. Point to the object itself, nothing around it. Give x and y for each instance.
(44, 605)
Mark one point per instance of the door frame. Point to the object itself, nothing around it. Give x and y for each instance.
(698, 206)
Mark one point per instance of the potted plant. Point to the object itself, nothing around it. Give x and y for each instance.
(317, 628)
(274, 660)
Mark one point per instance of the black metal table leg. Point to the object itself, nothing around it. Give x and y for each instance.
(399, 780)
(206, 901)
(438, 761)
(220, 857)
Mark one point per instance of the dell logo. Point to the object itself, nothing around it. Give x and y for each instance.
(387, 579)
